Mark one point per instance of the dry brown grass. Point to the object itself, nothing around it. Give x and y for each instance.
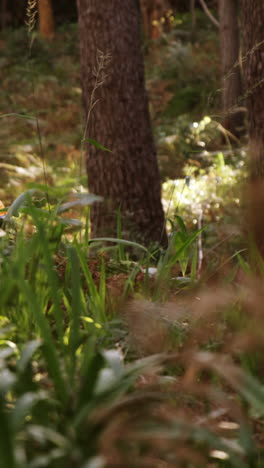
(201, 383)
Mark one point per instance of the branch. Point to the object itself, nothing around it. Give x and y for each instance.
(209, 14)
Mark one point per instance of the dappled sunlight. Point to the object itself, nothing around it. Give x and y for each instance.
(207, 192)
(131, 251)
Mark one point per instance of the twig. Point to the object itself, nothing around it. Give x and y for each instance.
(103, 60)
(209, 14)
(42, 155)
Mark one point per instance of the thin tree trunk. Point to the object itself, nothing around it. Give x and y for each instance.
(4, 14)
(209, 14)
(253, 58)
(117, 113)
(193, 16)
(231, 76)
(46, 19)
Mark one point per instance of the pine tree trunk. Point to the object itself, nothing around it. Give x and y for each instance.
(128, 177)
(46, 19)
(231, 76)
(253, 55)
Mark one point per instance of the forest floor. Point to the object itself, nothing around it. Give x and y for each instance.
(202, 177)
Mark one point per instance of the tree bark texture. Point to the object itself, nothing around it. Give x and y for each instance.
(117, 113)
(231, 75)
(253, 59)
(46, 19)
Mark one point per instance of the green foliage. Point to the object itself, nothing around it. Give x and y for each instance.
(71, 391)
(62, 427)
(67, 322)
(188, 144)
(184, 87)
(182, 250)
(38, 81)
(41, 57)
(211, 196)
(61, 389)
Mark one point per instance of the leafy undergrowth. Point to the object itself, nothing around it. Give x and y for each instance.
(41, 117)
(41, 122)
(107, 362)
(212, 198)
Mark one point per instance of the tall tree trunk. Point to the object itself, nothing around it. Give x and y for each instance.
(253, 55)
(231, 76)
(46, 19)
(117, 113)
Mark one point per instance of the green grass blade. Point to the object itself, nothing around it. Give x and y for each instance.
(76, 309)
(121, 251)
(96, 144)
(102, 292)
(18, 204)
(49, 350)
(7, 457)
(51, 276)
(181, 224)
(120, 241)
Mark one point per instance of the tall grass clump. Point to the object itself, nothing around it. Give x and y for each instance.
(71, 394)
(55, 374)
